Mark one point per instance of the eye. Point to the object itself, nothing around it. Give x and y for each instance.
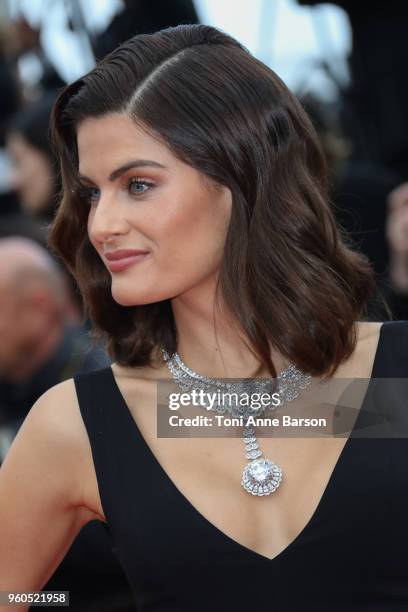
(89, 194)
(135, 186)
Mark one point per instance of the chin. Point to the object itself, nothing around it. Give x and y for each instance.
(129, 299)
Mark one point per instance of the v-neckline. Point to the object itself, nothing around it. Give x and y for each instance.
(318, 510)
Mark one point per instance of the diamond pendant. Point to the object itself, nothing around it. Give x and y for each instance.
(260, 476)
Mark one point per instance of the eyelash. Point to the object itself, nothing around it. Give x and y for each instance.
(85, 192)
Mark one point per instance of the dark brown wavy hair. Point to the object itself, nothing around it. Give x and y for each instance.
(288, 274)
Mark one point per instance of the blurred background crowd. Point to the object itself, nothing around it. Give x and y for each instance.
(346, 62)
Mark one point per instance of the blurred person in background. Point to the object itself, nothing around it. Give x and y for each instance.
(143, 17)
(41, 346)
(396, 289)
(10, 102)
(20, 224)
(358, 190)
(373, 120)
(41, 340)
(35, 174)
(373, 104)
(23, 40)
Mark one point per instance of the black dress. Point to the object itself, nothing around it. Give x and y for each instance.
(351, 555)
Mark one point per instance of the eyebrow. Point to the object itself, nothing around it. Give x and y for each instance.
(137, 163)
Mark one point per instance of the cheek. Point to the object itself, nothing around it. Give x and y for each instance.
(186, 236)
(194, 233)
(89, 213)
(88, 228)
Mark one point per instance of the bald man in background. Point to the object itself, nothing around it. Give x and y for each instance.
(34, 308)
(42, 340)
(42, 343)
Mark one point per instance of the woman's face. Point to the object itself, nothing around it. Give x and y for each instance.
(140, 196)
(32, 176)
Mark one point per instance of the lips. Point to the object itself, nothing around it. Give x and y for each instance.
(119, 261)
(124, 253)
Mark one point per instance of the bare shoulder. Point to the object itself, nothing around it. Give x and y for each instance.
(369, 329)
(55, 423)
(57, 408)
(56, 414)
(368, 338)
(46, 493)
(361, 362)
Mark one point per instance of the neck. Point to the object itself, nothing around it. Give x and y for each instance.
(216, 349)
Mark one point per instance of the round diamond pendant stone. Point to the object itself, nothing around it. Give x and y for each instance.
(260, 469)
(261, 477)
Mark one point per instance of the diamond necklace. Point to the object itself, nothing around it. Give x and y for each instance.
(260, 476)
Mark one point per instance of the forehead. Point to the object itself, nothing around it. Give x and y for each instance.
(113, 139)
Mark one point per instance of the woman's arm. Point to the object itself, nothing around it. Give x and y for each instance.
(42, 484)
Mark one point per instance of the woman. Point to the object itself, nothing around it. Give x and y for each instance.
(184, 148)
(35, 177)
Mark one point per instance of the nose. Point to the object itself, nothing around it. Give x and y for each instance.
(106, 219)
